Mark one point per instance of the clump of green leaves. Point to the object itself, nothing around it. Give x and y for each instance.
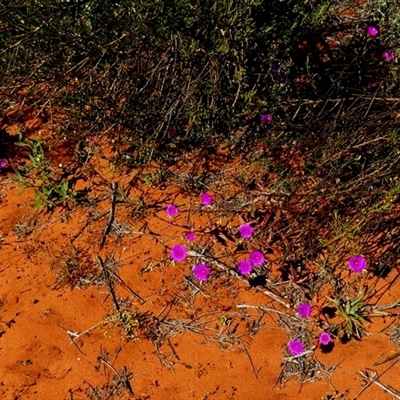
(354, 315)
(49, 190)
(129, 321)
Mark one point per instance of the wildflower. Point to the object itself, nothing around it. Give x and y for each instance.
(246, 231)
(256, 257)
(3, 164)
(245, 267)
(325, 338)
(206, 199)
(304, 310)
(171, 132)
(274, 69)
(295, 347)
(178, 253)
(372, 31)
(90, 139)
(357, 263)
(388, 55)
(172, 211)
(266, 119)
(201, 272)
(191, 236)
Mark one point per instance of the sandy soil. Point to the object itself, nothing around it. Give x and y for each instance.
(88, 313)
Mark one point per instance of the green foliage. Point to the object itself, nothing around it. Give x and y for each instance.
(50, 196)
(49, 190)
(127, 321)
(36, 154)
(354, 315)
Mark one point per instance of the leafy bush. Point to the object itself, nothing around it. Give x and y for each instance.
(146, 67)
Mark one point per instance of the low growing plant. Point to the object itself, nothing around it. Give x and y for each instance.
(354, 313)
(49, 189)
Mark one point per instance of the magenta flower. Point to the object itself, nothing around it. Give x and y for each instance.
(246, 231)
(372, 31)
(201, 272)
(245, 267)
(172, 211)
(90, 139)
(295, 347)
(388, 55)
(325, 338)
(274, 69)
(304, 310)
(256, 257)
(171, 132)
(178, 253)
(265, 119)
(357, 263)
(206, 199)
(3, 164)
(191, 236)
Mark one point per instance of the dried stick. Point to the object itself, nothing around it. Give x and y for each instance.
(385, 360)
(372, 378)
(76, 335)
(114, 187)
(110, 284)
(126, 286)
(255, 372)
(262, 308)
(124, 380)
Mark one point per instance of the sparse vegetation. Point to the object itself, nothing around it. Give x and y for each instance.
(282, 115)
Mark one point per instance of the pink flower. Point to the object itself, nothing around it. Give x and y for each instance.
(372, 31)
(191, 236)
(256, 257)
(90, 139)
(206, 199)
(388, 55)
(265, 119)
(325, 338)
(357, 263)
(171, 132)
(3, 164)
(172, 211)
(304, 310)
(295, 347)
(246, 231)
(201, 272)
(245, 267)
(178, 253)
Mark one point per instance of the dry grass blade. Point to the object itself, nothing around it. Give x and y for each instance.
(107, 229)
(119, 279)
(373, 378)
(123, 378)
(109, 284)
